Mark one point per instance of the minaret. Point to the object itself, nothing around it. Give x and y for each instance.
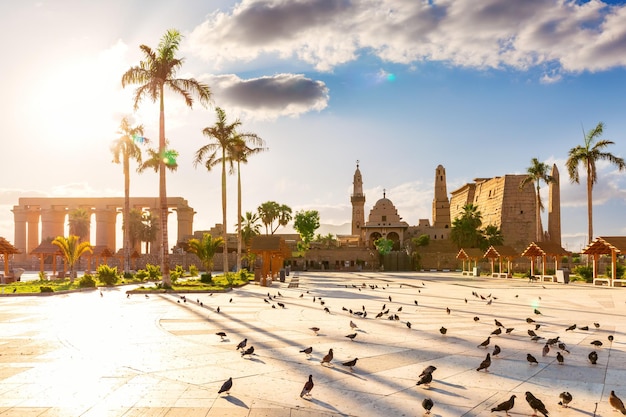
(441, 204)
(358, 203)
(554, 207)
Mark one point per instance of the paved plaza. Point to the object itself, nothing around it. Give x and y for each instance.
(87, 354)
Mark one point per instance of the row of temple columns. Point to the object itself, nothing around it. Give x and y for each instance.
(52, 217)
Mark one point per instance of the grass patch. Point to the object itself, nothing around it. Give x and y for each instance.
(218, 283)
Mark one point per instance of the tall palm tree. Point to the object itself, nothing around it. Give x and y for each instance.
(80, 221)
(72, 249)
(588, 155)
(537, 172)
(268, 212)
(154, 73)
(135, 227)
(249, 227)
(240, 153)
(284, 216)
(218, 153)
(124, 149)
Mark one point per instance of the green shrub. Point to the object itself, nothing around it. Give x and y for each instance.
(42, 276)
(142, 274)
(128, 275)
(45, 288)
(193, 270)
(585, 272)
(206, 278)
(176, 273)
(87, 281)
(107, 275)
(154, 271)
(619, 270)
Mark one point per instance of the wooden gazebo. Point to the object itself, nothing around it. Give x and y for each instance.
(101, 254)
(47, 249)
(606, 245)
(501, 253)
(271, 251)
(469, 255)
(6, 249)
(544, 250)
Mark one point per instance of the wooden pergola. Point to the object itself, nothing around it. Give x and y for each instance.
(544, 250)
(606, 245)
(6, 249)
(272, 251)
(101, 254)
(469, 255)
(133, 257)
(47, 249)
(501, 253)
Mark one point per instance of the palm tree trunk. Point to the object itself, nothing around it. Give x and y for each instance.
(165, 259)
(238, 217)
(126, 214)
(589, 204)
(225, 252)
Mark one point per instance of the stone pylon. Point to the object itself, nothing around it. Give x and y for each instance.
(554, 207)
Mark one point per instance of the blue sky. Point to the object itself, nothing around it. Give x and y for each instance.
(402, 86)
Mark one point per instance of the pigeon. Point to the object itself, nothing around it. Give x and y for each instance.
(281, 305)
(498, 323)
(546, 350)
(537, 312)
(537, 326)
(443, 330)
(616, 403)
(448, 310)
(476, 318)
(226, 386)
(509, 330)
(315, 330)
(351, 336)
(308, 386)
(351, 363)
(428, 404)
(572, 327)
(610, 338)
(496, 350)
(536, 404)
(327, 310)
(231, 300)
(584, 328)
(563, 347)
(353, 325)
(531, 359)
(505, 406)
(559, 358)
(532, 333)
(486, 363)
(400, 309)
(485, 343)
(426, 379)
(566, 398)
(221, 334)
(248, 351)
(497, 331)
(379, 315)
(242, 344)
(308, 350)
(529, 320)
(596, 343)
(428, 370)
(329, 357)
(597, 325)
(593, 357)
(408, 324)
(218, 309)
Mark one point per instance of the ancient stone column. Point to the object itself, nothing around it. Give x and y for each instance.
(19, 220)
(53, 221)
(105, 227)
(184, 216)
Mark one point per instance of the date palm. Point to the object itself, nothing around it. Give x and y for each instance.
(240, 153)
(79, 221)
(218, 152)
(537, 172)
(124, 149)
(156, 71)
(72, 249)
(588, 155)
(205, 249)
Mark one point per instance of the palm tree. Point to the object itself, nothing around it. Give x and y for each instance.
(240, 153)
(72, 249)
(79, 221)
(124, 148)
(492, 235)
(219, 153)
(284, 216)
(537, 172)
(205, 249)
(150, 229)
(153, 74)
(268, 212)
(588, 155)
(465, 230)
(135, 227)
(249, 227)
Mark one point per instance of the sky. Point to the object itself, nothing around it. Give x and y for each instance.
(402, 86)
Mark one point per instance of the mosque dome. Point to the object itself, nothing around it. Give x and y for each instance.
(384, 213)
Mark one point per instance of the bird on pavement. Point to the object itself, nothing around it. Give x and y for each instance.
(616, 403)
(476, 318)
(327, 310)
(242, 344)
(329, 357)
(572, 327)
(596, 343)
(408, 324)
(308, 386)
(351, 363)
(221, 334)
(226, 386)
(536, 404)
(498, 323)
(485, 364)
(566, 398)
(531, 359)
(529, 320)
(593, 357)
(428, 370)
(509, 330)
(505, 406)
(443, 330)
(546, 350)
(584, 328)
(611, 338)
(426, 379)
(532, 333)
(559, 358)
(497, 331)
(537, 312)
(315, 330)
(562, 346)
(248, 351)
(353, 325)
(496, 350)
(307, 351)
(485, 343)
(351, 336)
(428, 404)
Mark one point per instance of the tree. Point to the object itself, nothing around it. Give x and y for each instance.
(537, 172)
(72, 249)
(124, 149)
(465, 230)
(218, 153)
(79, 221)
(268, 212)
(205, 249)
(284, 216)
(135, 227)
(327, 241)
(492, 236)
(149, 230)
(154, 73)
(383, 246)
(588, 155)
(249, 227)
(306, 222)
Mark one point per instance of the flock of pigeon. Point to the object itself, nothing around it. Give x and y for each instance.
(425, 378)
